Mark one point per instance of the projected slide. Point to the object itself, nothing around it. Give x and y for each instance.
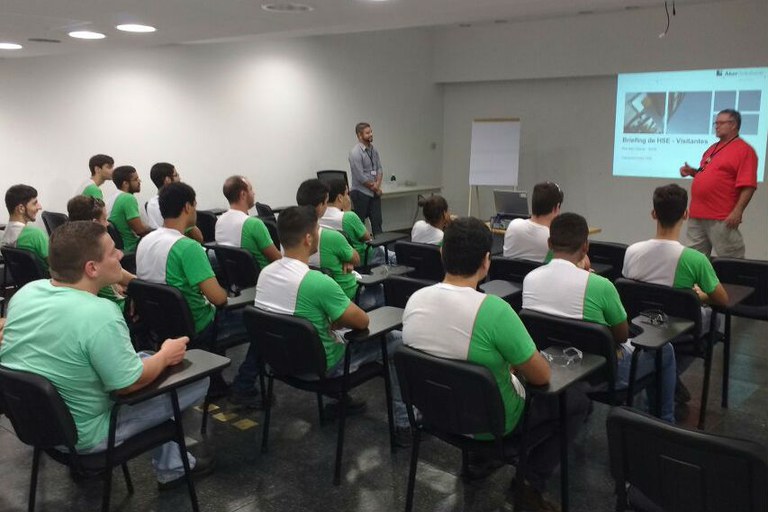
(666, 119)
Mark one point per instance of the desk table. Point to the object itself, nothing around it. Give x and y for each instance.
(511, 292)
(381, 273)
(386, 238)
(246, 297)
(501, 231)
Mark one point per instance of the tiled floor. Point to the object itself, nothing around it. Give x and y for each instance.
(296, 473)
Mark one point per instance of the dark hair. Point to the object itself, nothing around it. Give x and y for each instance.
(19, 194)
(734, 114)
(99, 161)
(294, 223)
(173, 197)
(85, 208)
(160, 171)
(311, 193)
(122, 174)
(72, 245)
(434, 209)
(336, 188)
(546, 197)
(669, 203)
(233, 186)
(568, 232)
(360, 127)
(466, 243)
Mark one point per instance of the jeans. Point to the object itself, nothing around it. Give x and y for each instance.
(367, 207)
(132, 419)
(646, 365)
(369, 352)
(228, 323)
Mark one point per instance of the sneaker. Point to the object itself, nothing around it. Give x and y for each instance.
(203, 467)
(354, 407)
(403, 437)
(531, 499)
(682, 395)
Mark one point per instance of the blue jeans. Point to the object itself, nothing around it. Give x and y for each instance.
(230, 323)
(132, 419)
(646, 365)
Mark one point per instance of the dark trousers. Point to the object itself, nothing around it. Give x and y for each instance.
(367, 207)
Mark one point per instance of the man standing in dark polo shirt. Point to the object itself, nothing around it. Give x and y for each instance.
(722, 188)
(365, 167)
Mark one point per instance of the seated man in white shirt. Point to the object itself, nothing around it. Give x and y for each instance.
(453, 320)
(526, 239)
(436, 218)
(161, 174)
(562, 288)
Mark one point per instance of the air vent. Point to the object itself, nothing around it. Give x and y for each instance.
(43, 40)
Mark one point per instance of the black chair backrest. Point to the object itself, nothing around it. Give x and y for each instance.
(288, 344)
(753, 273)
(272, 228)
(511, 269)
(329, 175)
(457, 397)
(638, 296)
(115, 235)
(608, 253)
(52, 220)
(239, 266)
(265, 211)
(163, 309)
(36, 410)
(686, 470)
(549, 330)
(424, 258)
(24, 266)
(206, 222)
(398, 289)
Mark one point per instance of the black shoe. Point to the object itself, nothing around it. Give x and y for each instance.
(531, 499)
(353, 406)
(248, 399)
(403, 437)
(219, 387)
(480, 467)
(682, 395)
(203, 467)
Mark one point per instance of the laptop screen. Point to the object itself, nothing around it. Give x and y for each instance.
(511, 202)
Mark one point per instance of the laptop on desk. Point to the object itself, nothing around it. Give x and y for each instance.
(510, 205)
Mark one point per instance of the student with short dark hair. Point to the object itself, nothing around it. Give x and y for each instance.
(338, 216)
(436, 218)
(237, 229)
(23, 207)
(101, 171)
(161, 174)
(123, 208)
(57, 328)
(561, 288)
(453, 320)
(527, 238)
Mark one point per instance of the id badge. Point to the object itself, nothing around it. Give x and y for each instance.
(373, 173)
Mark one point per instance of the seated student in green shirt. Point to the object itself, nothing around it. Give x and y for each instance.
(101, 171)
(338, 216)
(161, 174)
(23, 207)
(236, 228)
(57, 328)
(453, 320)
(166, 256)
(90, 208)
(123, 208)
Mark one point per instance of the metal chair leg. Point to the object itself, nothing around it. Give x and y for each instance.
(267, 416)
(183, 450)
(33, 480)
(705, 386)
(726, 360)
(127, 476)
(412, 472)
(204, 423)
(320, 411)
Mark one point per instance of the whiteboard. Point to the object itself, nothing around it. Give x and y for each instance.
(495, 153)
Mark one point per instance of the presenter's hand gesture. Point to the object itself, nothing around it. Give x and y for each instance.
(173, 349)
(733, 220)
(687, 170)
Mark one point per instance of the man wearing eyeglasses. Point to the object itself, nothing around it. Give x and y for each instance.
(722, 187)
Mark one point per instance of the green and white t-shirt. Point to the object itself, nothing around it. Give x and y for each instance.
(669, 263)
(289, 287)
(349, 223)
(425, 233)
(238, 229)
(526, 240)
(77, 341)
(333, 251)
(461, 323)
(561, 288)
(92, 190)
(28, 237)
(166, 256)
(124, 207)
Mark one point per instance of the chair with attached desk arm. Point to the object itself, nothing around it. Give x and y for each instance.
(511, 269)
(22, 265)
(327, 176)
(271, 225)
(52, 220)
(685, 470)
(398, 289)
(294, 354)
(206, 222)
(238, 267)
(610, 254)
(129, 260)
(424, 258)
(41, 419)
(265, 212)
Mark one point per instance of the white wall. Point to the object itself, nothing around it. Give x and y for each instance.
(275, 111)
(558, 76)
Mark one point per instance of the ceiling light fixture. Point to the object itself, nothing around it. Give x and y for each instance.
(136, 28)
(10, 46)
(86, 34)
(287, 7)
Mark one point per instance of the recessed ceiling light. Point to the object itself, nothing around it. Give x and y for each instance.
(133, 27)
(86, 34)
(287, 7)
(10, 46)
